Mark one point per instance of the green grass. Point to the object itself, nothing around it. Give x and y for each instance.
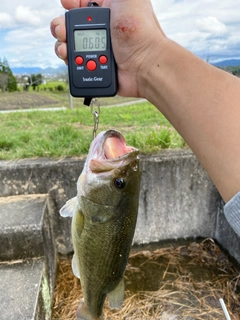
(69, 132)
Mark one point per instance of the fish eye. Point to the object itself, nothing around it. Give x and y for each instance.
(119, 183)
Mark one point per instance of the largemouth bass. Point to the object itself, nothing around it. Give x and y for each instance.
(104, 218)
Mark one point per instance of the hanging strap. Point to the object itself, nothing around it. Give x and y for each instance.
(92, 4)
(87, 101)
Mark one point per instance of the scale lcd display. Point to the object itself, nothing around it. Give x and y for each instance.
(90, 40)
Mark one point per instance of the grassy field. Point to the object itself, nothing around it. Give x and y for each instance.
(69, 132)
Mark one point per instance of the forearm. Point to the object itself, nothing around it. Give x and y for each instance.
(203, 104)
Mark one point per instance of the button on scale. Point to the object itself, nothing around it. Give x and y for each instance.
(79, 60)
(91, 64)
(103, 59)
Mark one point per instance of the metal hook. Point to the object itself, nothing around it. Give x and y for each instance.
(95, 115)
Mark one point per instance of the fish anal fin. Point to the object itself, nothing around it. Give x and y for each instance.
(69, 208)
(116, 296)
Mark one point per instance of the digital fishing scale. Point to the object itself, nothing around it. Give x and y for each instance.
(91, 64)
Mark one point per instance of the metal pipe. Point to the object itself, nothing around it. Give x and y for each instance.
(224, 309)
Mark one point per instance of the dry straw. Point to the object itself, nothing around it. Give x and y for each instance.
(170, 283)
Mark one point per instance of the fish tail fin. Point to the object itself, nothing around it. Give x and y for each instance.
(83, 313)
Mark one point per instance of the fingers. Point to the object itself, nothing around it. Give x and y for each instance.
(61, 50)
(70, 4)
(58, 29)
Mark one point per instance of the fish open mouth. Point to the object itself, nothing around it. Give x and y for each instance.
(112, 152)
(115, 147)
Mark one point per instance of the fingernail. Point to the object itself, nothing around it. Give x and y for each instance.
(59, 52)
(57, 31)
(57, 49)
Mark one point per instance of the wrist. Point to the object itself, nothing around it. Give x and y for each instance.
(155, 68)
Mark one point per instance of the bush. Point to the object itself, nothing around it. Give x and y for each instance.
(60, 87)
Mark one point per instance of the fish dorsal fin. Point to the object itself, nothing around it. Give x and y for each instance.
(116, 296)
(69, 208)
(75, 267)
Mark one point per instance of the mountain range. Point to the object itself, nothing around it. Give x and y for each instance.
(63, 68)
(227, 63)
(36, 70)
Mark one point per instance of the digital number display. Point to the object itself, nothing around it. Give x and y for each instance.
(90, 40)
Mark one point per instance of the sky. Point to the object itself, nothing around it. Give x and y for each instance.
(208, 28)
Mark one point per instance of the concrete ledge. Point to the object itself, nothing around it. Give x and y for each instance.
(21, 226)
(27, 247)
(24, 291)
(26, 231)
(42, 176)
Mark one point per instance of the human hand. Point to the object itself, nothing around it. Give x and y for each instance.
(135, 32)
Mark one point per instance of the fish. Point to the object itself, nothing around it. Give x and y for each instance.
(104, 215)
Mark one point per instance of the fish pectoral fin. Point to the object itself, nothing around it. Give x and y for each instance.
(69, 208)
(75, 267)
(116, 296)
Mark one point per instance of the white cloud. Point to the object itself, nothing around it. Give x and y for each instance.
(211, 25)
(25, 32)
(34, 46)
(205, 27)
(27, 12)
(5, 20)
(26, 15)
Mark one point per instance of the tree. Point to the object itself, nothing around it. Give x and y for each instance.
(12, 83)
(26, 82)
(35, 80)
(3, 81)
(8, 81)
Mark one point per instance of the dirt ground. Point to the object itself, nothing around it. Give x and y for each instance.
(26, 100)
(33, 100)
(172, 283)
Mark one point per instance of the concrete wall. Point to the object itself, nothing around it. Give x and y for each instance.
(177, 198)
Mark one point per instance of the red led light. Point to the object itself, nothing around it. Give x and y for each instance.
(89, 18)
